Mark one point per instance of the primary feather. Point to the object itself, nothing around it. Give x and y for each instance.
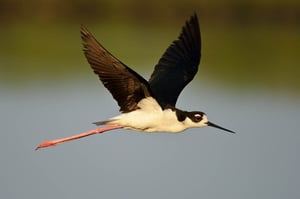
(126, 86)
(178, 65)
(176, 68)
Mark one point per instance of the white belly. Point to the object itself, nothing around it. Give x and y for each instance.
(149, 118)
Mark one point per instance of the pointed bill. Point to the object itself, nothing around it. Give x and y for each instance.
(219, 127)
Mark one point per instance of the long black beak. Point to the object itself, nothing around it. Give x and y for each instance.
(219, 127)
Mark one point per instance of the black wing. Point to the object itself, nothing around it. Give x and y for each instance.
(126, 86)
(178, 65)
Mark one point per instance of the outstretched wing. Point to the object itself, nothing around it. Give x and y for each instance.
(126, 86)
(178, 65)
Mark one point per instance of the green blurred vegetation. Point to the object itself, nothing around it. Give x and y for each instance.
(248, 43)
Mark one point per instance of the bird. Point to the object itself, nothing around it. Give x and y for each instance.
(147, 106)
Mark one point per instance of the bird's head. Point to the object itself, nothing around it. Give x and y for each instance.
(199, 119)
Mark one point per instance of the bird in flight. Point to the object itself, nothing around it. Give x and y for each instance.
(147, 106)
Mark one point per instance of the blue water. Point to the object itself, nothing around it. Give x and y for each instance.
(260, 161)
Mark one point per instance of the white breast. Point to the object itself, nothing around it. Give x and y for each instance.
(149, 118)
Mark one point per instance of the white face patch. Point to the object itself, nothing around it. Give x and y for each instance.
(197, 117)
(202, 122)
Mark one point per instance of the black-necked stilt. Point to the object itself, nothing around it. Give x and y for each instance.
(147, 106)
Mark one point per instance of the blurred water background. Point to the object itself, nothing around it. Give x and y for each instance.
(249, 81)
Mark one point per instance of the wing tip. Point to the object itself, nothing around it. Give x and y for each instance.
(194, 17)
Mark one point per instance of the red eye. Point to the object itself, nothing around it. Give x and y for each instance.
(198, 117)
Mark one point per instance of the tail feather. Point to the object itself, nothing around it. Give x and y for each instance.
(105, 122)
(101, 123)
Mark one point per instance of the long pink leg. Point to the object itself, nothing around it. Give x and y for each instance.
(81, 135)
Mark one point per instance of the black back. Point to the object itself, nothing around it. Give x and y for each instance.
(178, 65)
